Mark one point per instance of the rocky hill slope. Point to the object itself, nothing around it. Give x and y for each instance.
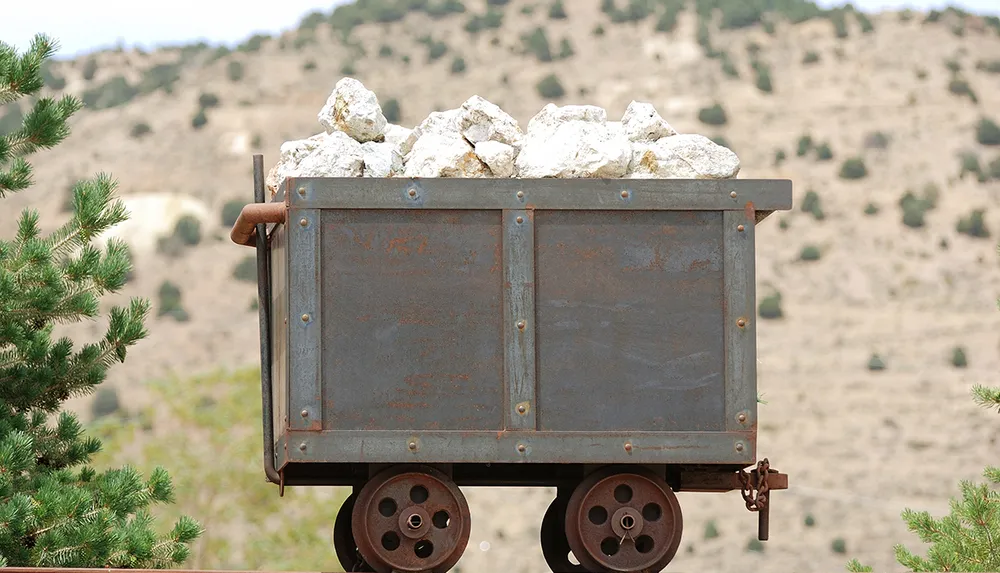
(877, 292)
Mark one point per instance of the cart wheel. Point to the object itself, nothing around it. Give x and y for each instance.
(411, 519)
(555, 547)
(624, 520)
(343, 539)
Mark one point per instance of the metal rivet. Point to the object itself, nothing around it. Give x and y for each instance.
(741, 417)
(733, 194)
(305, 318)
(624, 194)
(305, 413)
(739, 446)
(521, 448)
(303, 221)
(520, 325)
(302, 447)
(521, 409)
(741, 323)
(520, 194)
(412, 445)
(412, 192)
(628, 447)
(519, 220)
(302, 191)
(740, 228)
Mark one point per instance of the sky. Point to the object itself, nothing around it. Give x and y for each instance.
(82, 27)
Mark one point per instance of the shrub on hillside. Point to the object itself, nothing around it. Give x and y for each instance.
(810, 57)
(557, 11)
(973, 225)
(139, 129)
(763, 81)
(170, 302)
(246, 269)
(811, 204)
(537, 43)
(458, 65)
(728, 67)
(990, 67)
(958, 359)
(208, 100)
(234, 70)
(969, 163)
(853, 168)
(876, 363)
(809, 253)
(230, 212)
(714, 115)
(550, 88)
(960, 87)
(566, 49)
(803, 146)
(114, 92)
(876, 140)
(391, 111)
(89, 69)
(200, 119)
(105, 402)
(871, 209)
(823, 152)
(987, 132)
(770, 307)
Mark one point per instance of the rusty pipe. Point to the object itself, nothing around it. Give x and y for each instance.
(244, 230)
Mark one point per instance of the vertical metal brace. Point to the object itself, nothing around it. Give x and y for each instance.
(305, 393)
(519, 318)
(739, 329)
(264, 314)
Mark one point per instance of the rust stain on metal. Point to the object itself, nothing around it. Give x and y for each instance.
(399, 405)
(749, 210)
(403, 245)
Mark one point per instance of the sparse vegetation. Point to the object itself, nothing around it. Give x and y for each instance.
(105, 402)
(391, 111)
(810, 521)
(200, 119)
(711, 531)
(839, 546)
(550, 88)
(987, 132)
(770, 307)
(823, 152)
(914, 208)
(876, 363)
(958, 359)
(230, 212)
(809, 253)
(810, 57)
(871, 209)
(246, 269)
(458, 65)
(973, 225)
(811, 204)
(234, 70)
(537, 43)
(139, 129)
(714, 115)
(853, 168)
(876, 140)
(557, 11)
(804, 145)
(755, 545)
(170, 302)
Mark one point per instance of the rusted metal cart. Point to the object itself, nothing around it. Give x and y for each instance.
(594, 335)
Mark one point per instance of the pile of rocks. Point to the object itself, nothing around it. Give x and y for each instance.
(481, 140)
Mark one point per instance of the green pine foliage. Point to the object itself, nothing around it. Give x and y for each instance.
(55, 509)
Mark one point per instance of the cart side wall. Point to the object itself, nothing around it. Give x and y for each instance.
(455, 330)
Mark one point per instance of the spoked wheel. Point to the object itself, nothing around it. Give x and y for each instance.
(343, 539)
(555, 547)
(411, 519)
(624, 520)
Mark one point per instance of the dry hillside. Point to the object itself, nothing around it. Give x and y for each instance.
(887, 268)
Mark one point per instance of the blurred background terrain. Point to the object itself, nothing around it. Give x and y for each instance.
(877, 292)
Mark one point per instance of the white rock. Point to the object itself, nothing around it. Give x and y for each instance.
(438, 122)
(574, 149)
(615, 128)
(381, 159)
(354, 110)
(552, 114)
(437, 155)
(686, 156)
(499, 157)
(322, 155)
(482, 121)
(642, 123)
(397, 135)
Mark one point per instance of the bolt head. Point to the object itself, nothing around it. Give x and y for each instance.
(521, 448)
(520, 220)
(412, 445)
(739, 446)
(521, 409)
(302, 447)
(412, 192)
(520, 324)
(303, 222)
(305, 318)
(741, 323)
(302, 191)
(741, 418)
(733, 194)
(624, 194)
(628, 447)
(520, 194)
(740, 228)
(304, 413)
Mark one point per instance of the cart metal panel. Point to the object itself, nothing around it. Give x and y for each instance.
(507, 320)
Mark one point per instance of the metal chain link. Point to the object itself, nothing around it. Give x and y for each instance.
(758, 502)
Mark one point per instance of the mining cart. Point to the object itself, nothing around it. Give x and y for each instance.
(418, 335)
